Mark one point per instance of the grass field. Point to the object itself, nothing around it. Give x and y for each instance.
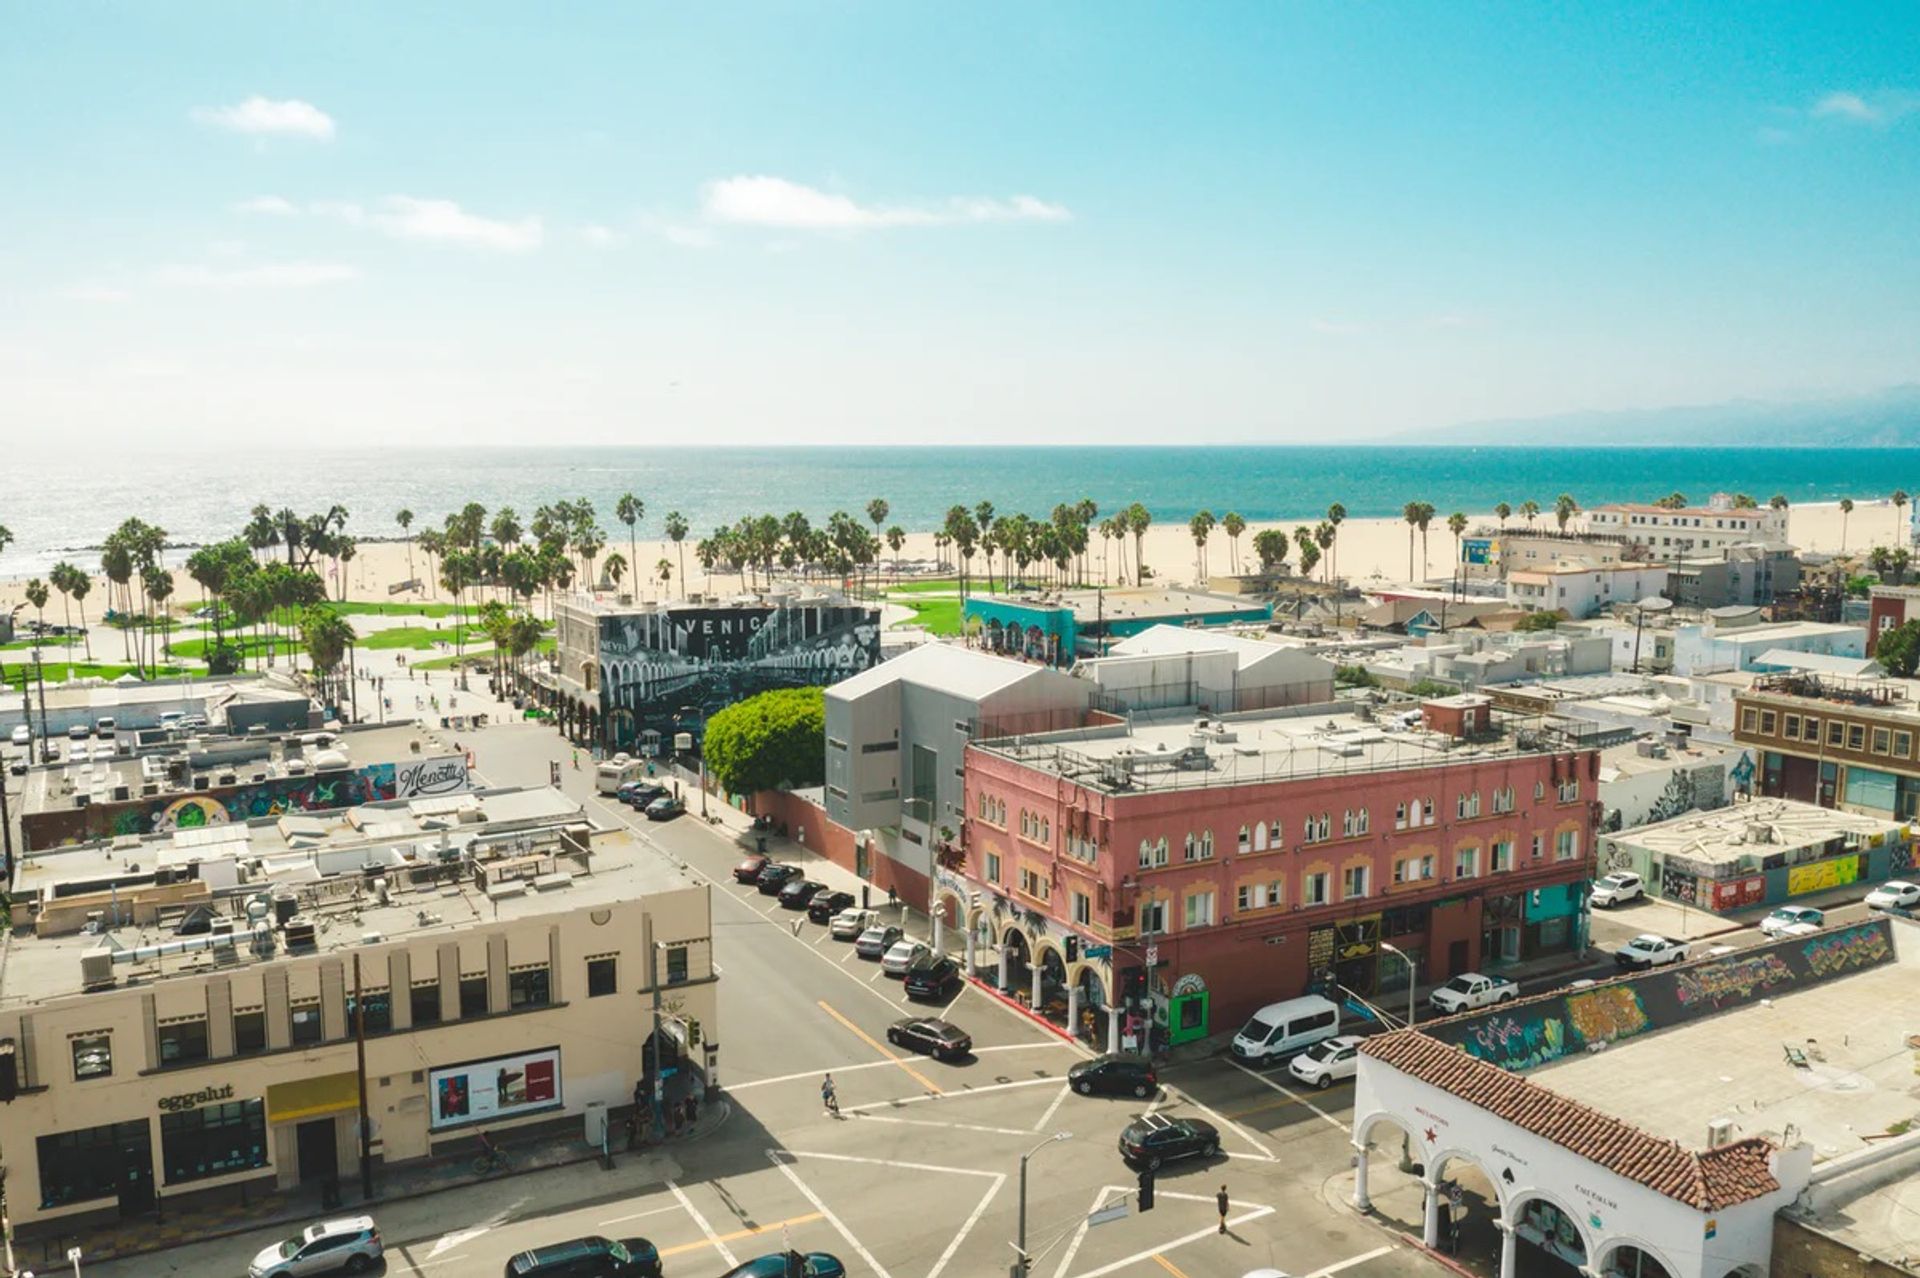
(420, 638)
(447, 662)
(948, 584)
(59, 672)
(939, 616)
(370, 608)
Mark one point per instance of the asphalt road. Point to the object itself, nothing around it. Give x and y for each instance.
(919, 1176)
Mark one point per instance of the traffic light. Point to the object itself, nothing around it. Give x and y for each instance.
(693, 1033)
(1146, 1190)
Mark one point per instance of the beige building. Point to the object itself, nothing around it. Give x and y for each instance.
(181, 1010)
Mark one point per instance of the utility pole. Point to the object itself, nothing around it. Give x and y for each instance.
(1023, 1261)
(360, 1064)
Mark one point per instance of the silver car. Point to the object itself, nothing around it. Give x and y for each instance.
(902, 956)
(350, 1244)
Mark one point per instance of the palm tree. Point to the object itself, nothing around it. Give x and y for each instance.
(615, 568)
(1270, 546)
(1411, 513)
(1564, 508)
(1503, 512)
(629, 510)
(1309, 550)
(677, 534)
(896, 542)
(1846, 508)
(157, 583)
(588, 543)
(1745, 501)
(1201, 526)
(664, 571)
(1233, 526)
(263, 533)
(79, 585)
(1900, 500)
(1672, 501)
(1529, 511)
(983, 519)
(327, 636)
(1426, 518)
(404, 518)
(61, 577)
(1336, 515)
(1138, 521)
(1456, 524)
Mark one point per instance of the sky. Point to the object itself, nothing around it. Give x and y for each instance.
(846, 222)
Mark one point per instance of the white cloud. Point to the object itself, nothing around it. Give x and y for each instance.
(269, 205)
(773, 201)
(600, 236)
(265, 116)
(94, 293)
(1854, 108)
(266, 275)
(408, 218)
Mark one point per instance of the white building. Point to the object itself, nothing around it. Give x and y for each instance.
(1669, 533)
(1167, 666)
(1649, 780)
(1580, 590)
(1705, 647)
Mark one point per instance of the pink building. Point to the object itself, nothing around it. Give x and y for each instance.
(1197, 869)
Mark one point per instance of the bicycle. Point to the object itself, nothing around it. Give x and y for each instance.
(489, 1161)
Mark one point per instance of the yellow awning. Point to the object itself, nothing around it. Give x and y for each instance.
(312, 1097)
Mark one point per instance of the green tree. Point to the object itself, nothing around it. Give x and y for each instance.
(629, 510)
(1503, 513)
(1544, 620)
(677, 534)
(1564, 508)
(1898, 649)
(1529, 511)
(1411, 513)
(1201, 527)
(326, 636)
(1232, 525)
(1745, 501)
(1271, 546)
(1846, 508)
(1336, 515)
(1899, 500)
(1456, 524)
(773, 739)
(1139, 519)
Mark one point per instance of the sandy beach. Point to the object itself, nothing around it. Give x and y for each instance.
(1368, 552)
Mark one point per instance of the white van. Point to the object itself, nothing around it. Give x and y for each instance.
(1281, 1029)
(617, 771)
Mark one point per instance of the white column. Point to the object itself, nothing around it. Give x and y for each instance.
(1073, 1009)
(1113, 1029)
(1361, 1201)
(1506, 1250)
(1430, 1229)
(968, 942)
(1034, 968)
(1001, 984)
(936, 925)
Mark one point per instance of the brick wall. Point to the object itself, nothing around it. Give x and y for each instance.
(809, 824)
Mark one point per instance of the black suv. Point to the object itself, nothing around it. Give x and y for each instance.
(825, 905)
(1115, 1075)
(775, 877)
(798, 893)
(932, 977)
(593, 1257)
(1156, 1138)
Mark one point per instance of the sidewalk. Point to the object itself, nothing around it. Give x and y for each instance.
(1688, 923)
(549, 1151)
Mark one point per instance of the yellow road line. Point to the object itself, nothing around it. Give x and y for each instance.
(704, 1243)
(1263, 1107)
(881, 1048)
(1169, 1266)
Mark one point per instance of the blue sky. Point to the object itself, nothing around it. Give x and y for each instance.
(852, 222)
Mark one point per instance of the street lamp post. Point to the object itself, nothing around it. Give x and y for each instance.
(1412, 973)
(1020, 1246)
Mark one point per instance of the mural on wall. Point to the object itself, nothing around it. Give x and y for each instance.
(1732, 894)
(1678, 885)
(665, 672)
(1821, 875)
(1606, 1013)
(1516, 1042)
(1843, 951)
(1730, 980)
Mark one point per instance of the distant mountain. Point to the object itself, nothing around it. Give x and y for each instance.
(1882, 419)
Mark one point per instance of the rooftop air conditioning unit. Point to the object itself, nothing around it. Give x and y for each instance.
(96, 968)
(201, 781)
(300, 935)
(122, 793)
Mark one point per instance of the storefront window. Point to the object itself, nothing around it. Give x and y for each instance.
(306, 1022)
(183, 1041)
(249, 1031)
(213, 1140)
(473, 996)
(93, 1056)
(528, 987)
(77, 1166)
(426, 1003)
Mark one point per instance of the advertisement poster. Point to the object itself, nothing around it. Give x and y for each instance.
(500, 1087)
(444, 775)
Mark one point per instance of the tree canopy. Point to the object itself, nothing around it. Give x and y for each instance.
(773, 739)
(1898, 649)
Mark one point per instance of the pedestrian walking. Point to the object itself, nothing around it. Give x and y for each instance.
(693, 1111)
(1220, 1200)
(828, 1097)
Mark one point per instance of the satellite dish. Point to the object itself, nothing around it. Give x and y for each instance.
(1654, 603)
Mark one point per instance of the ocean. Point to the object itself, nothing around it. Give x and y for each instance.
(63, 506)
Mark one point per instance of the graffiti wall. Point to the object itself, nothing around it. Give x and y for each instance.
(1540, 1031)
(1821, 875)
(665, 672)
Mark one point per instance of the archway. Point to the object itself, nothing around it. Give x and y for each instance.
(1016, 972)
(1091, 1014)
(1463, 1211)
(949, 914)
(1632, 1260)
(1050, 998)
(1552, 1228)
(1389, 1179)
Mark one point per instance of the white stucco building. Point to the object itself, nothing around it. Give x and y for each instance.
(1711, 527)
(1580, 590)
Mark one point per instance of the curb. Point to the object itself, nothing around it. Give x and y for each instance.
(1021, 1008)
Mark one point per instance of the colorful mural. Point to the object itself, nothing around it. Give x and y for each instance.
(1850, 948)
(1607, 1013)
(1821, 875)
(1731, 980)
(1515, 1043)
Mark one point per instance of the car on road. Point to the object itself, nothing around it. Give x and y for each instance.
(21, 735)
(638, 794)
(931, 977)
(931, 1036)
(590, 1257)
(665, 808)
(851, 924)
(350, 1244)
(825, 905)
(790, 1264)
(798, 893)
(748, 871)
(1617, 888)
(1649, 951)
(1327, 1062)
(1793, 920)
(1471, 990)
(1897, 894)
(1116, 1074)
(1157, 1139)
(78, 732)
(901, 955)
(773, 876)
(876, 941)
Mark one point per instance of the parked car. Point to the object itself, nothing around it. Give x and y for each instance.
(1471, 990)
(1278, 1030)
(78, 732)
(350, 1244)
(748, 871)
(1157, 1139)
(876, 941)
(901, 955)
(665, 808)
(1617, 888)
(932, 977)
(105, 727)
(798, 893)
(1793, 920)
(790, 1264)
(21, 736)
(931, 1036)
(851, 924)
(774, 876)
(638, 794)
(825, 905)
(1897, 894)
(1117, 1074)
(1327, 1062)
(1649, 951)
(590, 1257)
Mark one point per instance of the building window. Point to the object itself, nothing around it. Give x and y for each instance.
(1412, 811)
(1153, 918)
(602, 977)
(1313, 889)
(473, 996)
(1503, 799)
(676, 965)
(1400, 815)
(1411, 870)
(1856, 736)
(531, 986)
(993, 867)
(1432, 812)
(1503, 855)
(1569, 791)
(1791, 728)
(1903, 744)
(1153, 855)
(1767, 721)
(1353, 823)
(1260, 837)
(213, 1140)
(1246, 838)
(1082, 909)
(1539, 791)
(306, 1022)
(249, 1031)
(1199, 909)
(1836, 733)
(424, 999)
(82, 1165)
(1353, 882)
(1539, 845)
(379, 1011)
(1882, 741)
(1566, 845)
(183, 1041)
(1466, 863)
(1467, 806)
(93, 1056)
(1034, 884)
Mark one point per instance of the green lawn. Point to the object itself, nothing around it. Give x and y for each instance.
(369, 608)
(949, 584)
(248, 644)
(59, 672)
(421, 638)
(26, 645)
(940, 616)
(448, 662)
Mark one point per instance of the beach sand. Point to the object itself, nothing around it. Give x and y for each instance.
(1370, 553)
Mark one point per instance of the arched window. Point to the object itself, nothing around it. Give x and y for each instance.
(1187, 848)
(1206, 845)
(1260, 837)
(1246, 838)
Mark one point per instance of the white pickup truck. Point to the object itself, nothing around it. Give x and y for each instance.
(1470, 990)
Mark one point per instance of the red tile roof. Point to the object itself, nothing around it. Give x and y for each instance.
(1706, 1181)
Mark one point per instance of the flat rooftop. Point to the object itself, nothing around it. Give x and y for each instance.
(536, 849)
(1091, 607)
(1857, 1082)
(106, 695)
(1179, 750)
(1753, 830)
(1625, 760)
